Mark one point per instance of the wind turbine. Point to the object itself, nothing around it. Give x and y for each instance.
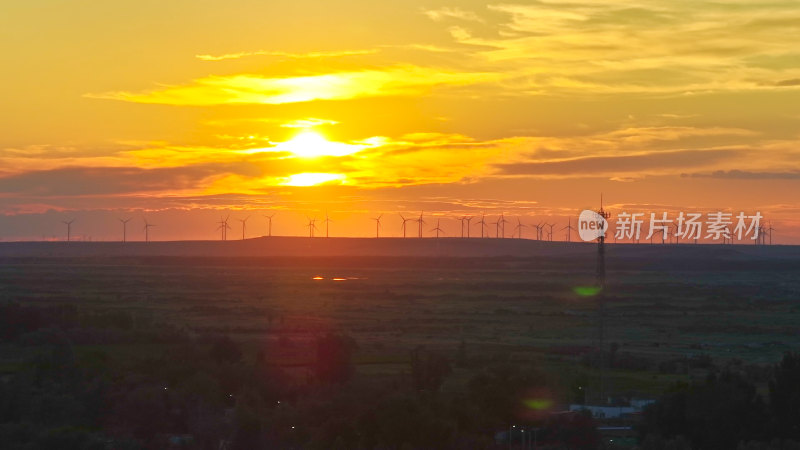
(269, 228)
(518, 228)
(468, 219)
(569, 229)
(125, 228)
(327, 222)
(539, 230)
(770, 230)
(462, 219)
(377, 226)
(223, 225)
(244, 224)
(496, 228)
(68, 223)
(550, 234)
(403, 226)
(147, 226)
(502, 224)
(311, 226)
(482, 223)
(420, 223)
(762, 232)
(438, 229)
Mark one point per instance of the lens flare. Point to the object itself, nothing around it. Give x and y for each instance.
(538, 404)
(586, 291)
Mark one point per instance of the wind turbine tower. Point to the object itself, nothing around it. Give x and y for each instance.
(403, 226)
(770, 230)
(482, 223)
(244, 225)
(519, 227)
(147, 226)
(377, 226)
(502, 224)
(550, 234)
(327, 224)
(269, 224)
(224, 227)
(269, 227)
(125, 228)
(462, 219)
(438, 229)
(569, 229)
(312, 225)
(601, 285)
(68, 223)
(420, 223)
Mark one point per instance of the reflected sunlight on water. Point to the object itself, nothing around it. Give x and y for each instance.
(318, 278)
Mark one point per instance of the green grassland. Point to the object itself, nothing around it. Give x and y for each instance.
(516, 310)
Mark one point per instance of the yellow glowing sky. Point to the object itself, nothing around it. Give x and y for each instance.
(184, 110)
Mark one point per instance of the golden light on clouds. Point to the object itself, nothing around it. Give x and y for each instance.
(257, 89)
(312, 179)
(308, 123)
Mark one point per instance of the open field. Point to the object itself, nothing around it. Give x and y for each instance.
(502, 306)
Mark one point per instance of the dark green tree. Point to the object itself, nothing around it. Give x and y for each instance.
(784, 395)
(713, 416)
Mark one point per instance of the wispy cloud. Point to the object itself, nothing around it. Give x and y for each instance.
(642, 163)
(451, 13)
(595, 47)
(747, 175)
(792, 82)
(83, 181)
(257, 89)
(330, 54)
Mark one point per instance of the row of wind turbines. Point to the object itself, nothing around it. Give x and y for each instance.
(147, 226)
(543, 231)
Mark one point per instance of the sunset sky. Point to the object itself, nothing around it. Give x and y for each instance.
(184, 111)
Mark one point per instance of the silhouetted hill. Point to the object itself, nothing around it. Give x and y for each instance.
(629, 255)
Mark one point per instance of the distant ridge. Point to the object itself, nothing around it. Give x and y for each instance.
(283, 246)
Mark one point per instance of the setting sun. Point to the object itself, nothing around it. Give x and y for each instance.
(310, 144)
